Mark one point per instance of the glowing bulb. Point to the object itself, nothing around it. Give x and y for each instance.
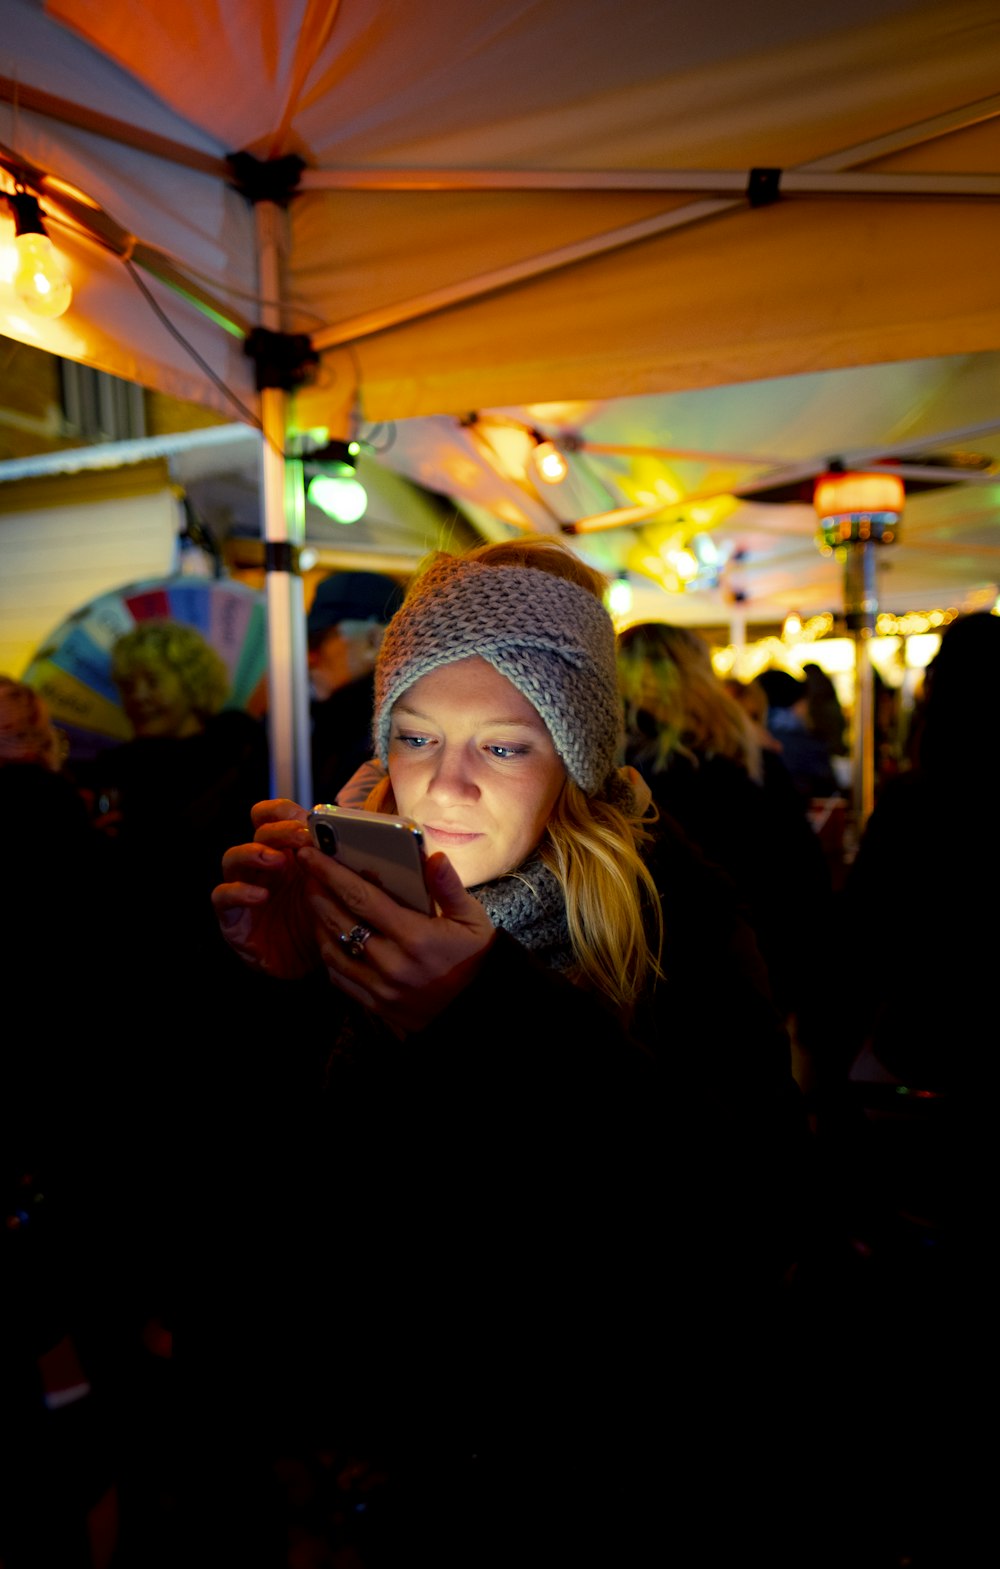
(39, 281)
(342, 498)
(550, 463)
(792, 627)
(620, 597)
(684, 563)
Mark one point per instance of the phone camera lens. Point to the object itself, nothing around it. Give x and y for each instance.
(327, 838)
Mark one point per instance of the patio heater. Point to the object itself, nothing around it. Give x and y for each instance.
(859, 513)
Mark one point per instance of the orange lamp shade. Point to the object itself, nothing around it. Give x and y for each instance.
(837, 495)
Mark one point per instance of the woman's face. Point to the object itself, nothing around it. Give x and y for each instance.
(156, 703)
(471, 761)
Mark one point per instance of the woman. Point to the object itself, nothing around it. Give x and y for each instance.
(511, 1174)
(701, 756)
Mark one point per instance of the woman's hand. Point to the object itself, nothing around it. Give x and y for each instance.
(413, 965)
(261, 906)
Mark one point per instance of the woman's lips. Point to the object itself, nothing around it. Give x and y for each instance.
(452, 836)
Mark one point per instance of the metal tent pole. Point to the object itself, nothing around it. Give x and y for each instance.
(283, 527)
(861, 607)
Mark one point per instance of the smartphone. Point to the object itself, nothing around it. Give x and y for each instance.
(388, 851)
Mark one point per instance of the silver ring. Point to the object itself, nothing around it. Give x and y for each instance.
(354, 940)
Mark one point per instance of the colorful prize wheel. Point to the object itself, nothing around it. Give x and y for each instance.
(72, 668)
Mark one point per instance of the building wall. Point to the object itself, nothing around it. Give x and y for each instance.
(68, 538)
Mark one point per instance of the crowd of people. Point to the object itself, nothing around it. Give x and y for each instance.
(491, 1235)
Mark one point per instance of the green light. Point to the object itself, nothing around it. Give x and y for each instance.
(342, 498)
(620, 597)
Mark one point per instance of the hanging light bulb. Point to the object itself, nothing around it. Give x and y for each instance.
(39, 282)
(620, 596)
(342, 499)
(335, 488)
(550, 463)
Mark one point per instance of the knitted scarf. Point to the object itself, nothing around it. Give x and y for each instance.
(529, 905)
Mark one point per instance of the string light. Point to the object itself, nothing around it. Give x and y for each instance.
(550, 464)
(915, 623)
(39, 282)
(791, 630)
(620, 597)
(335, 489)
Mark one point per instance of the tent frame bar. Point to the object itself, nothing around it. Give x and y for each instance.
(34, 101)
(54, 107)
(708, 182)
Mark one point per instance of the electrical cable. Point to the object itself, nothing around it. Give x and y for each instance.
(189, 348)
(372, 445)
(9, 154)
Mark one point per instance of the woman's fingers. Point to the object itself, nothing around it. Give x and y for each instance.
(448, 891)
(233, 896)
(260, 903)
(235, 906)
(371, 906)
(412, 965)
(244, 862)
(366, 904)
(286, 834)
(278, 810)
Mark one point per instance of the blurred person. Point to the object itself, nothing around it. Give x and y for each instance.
(566, 1085)
(174, 796)
(27, 734)
(826, 717)
(902, 1118)
(346, 623)
(936, 825)
(752, 699)
(193, 768)
(805, 755)
(890, 731)
(79, 1290)
(698, 750)
(54, 829)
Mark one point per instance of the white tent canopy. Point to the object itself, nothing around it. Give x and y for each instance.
(509, 206)
(463, 149)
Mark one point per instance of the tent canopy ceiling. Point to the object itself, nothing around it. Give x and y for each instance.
(542, 211)
(541, 293)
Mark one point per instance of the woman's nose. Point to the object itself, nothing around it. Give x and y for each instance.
(452, 779)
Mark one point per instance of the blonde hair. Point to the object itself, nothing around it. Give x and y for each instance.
(591, 846)
(545, 555)
(593, 849)
(156, 644)
(665, 673)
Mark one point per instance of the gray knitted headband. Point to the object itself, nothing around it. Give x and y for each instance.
(552, 640)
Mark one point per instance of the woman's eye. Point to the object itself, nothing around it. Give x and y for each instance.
(504, 752)
(413, 742)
